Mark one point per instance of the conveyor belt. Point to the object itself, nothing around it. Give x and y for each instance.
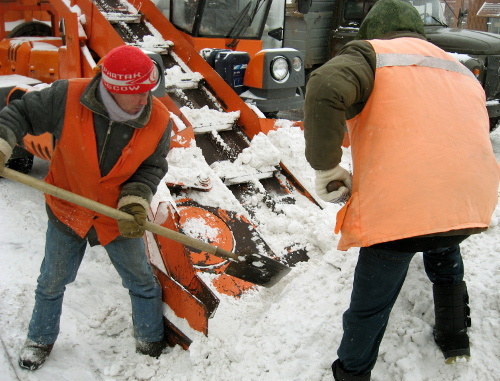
(215, 145)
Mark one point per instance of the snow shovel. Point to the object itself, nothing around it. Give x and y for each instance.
(254, 268)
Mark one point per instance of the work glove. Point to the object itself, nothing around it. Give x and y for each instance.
(133, 228)
(334, 192)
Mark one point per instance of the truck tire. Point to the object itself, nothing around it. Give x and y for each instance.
(31, 29)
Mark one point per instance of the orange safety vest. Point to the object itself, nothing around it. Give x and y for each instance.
(74, 165)
(422, 157)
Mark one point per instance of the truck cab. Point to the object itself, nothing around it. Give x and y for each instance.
(478, 51)
(235, 38)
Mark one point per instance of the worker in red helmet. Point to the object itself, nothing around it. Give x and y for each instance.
(112, 138)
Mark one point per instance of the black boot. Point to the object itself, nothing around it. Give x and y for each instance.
(340, 374)
(452, 320)
(33, 355)
(153, 349)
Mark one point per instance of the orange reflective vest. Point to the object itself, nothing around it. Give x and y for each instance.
(74, 165)
(422, 157)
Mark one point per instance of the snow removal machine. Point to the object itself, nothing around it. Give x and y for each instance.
(221, 86)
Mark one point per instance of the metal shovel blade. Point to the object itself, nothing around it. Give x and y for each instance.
(258, 269)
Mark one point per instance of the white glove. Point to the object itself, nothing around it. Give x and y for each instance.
(323, 178)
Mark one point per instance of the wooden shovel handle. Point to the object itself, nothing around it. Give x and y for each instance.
(115, 213)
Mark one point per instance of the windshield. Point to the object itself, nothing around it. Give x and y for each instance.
(431, 11)
(356, 10)
(221, 18)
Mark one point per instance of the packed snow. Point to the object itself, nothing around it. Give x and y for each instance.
(290, 331)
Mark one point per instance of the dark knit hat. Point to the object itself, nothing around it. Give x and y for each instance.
(128, 70)
(390, 16)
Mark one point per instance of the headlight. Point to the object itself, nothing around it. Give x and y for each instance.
(279, 69)
(297, 64)
(273, 69)
(476, 71)
(474, 64)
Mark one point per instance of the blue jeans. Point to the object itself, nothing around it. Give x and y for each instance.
(63, 256)
(378, 278)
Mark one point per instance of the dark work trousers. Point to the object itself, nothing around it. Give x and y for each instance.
(378, 278)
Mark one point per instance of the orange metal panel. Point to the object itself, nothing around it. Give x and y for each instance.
(70, 65)
(185, 50)
(70, 55)
(254, 76)
(181, 138)
(23, 10)
(15, 60)
(267, 124)
(34, 59)
(102, 37)
(219, 227)
(44, 65)
(252, 47)
(222, 236)
(185, 305)
(184, 292)
(178, 266)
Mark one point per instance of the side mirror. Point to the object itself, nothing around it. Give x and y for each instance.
(159, 90)
(277, 34)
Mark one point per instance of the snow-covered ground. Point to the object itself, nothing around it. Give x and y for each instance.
(288, 332)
